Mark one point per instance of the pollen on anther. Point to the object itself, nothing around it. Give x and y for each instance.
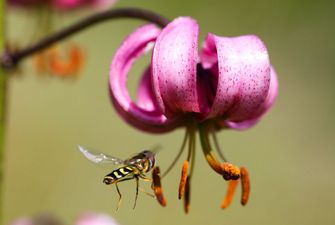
(230, 172)
(230, 193)
(245, 179)
(183, 179)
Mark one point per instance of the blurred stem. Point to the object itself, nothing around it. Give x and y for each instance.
(3, 87)
(10, 60)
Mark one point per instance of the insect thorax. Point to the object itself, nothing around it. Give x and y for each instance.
(144, 161)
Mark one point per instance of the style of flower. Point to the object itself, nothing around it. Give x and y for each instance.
(230, 84)
(84, 219)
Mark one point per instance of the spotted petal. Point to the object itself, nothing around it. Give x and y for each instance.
(142, 116)
(174, 67)
(243, 69)
(265, 106)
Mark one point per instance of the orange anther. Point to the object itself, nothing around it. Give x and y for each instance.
(230, 193)
(157, 187)
(59, 63)
(230, 172)
(183, 179)
(187, 195)
(245, 185)
(67, 67)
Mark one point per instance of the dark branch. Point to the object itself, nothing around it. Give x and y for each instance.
(10, 60)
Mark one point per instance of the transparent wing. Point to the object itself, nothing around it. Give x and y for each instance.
(99, 158)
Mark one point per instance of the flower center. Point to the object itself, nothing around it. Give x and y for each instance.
(227, 170)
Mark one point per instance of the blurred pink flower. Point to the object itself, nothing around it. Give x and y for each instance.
(84, 219)
(22, 221)
(50, 61)
(62, 4)
(95, 219)
(229, 84)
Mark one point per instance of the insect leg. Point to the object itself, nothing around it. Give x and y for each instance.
(147, 193)
(119, 193)
(137, 186)
(145, 178)
(120, 197)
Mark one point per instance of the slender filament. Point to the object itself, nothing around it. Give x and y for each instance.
(217, 146)
(181, 150)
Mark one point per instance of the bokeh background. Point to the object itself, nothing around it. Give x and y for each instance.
(290, 153)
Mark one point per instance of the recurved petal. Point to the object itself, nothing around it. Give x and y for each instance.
(174, 67)
(143, 117)
(265, 106)
(145, 95)
(244, 76)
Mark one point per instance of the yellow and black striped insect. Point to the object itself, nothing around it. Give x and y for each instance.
(135, 167)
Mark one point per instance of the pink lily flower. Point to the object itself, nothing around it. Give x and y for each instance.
(230, 84)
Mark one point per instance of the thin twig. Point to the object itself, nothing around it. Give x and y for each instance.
(11, 59)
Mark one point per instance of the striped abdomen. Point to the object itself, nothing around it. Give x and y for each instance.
(126, 172)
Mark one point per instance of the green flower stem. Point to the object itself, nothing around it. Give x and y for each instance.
(3, 87)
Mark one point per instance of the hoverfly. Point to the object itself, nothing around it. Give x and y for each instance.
(135, 167)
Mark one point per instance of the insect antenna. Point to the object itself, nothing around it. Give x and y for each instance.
(156, 148)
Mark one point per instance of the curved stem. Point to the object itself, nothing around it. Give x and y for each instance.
(217, 146)
(9, 60)
(181, 150)
(3, 96)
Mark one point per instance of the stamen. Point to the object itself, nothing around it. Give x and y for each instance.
(187, 195)
(230, 172)
(179, 154)
(217, 146)
(157, 187)
(230, 193)
(245, 185)
(183, 179)
(207, 149)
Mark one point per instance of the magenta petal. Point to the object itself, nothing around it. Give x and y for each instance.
(265, 106)
(244, 76)
(174, 67)
(145, 96)
(134, 46)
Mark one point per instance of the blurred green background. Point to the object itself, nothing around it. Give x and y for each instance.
(290, 153)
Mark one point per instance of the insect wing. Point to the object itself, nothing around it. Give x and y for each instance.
(137, 159)
(99, 158)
